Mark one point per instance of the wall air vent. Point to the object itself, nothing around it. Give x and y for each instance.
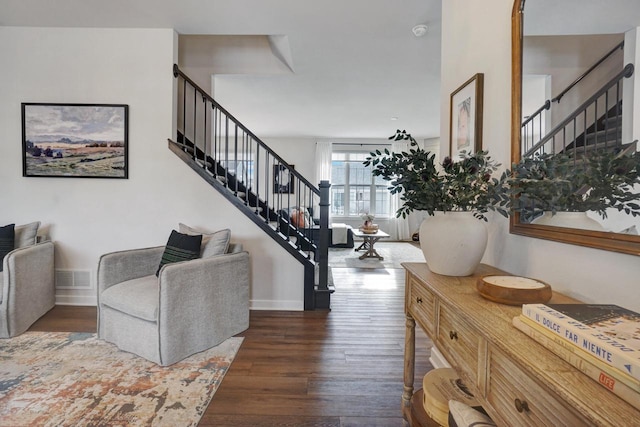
(73, 279)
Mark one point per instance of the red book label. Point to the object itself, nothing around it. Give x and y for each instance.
(606, 381)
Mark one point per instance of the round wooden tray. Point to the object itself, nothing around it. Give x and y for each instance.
(513, 290)
(439, 386)
(419, 417)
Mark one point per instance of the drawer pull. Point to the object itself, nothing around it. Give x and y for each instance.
(419, 300)
(453, 335)
(521, 406)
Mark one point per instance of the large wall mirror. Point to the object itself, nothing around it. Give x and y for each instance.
(571, 78)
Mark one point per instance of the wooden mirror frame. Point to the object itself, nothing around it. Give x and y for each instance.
(629, 244)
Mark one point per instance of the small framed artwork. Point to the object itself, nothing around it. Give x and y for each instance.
(282, 179)
(75, 140)
(466, 117)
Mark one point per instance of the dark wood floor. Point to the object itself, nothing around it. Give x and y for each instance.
(337, 368)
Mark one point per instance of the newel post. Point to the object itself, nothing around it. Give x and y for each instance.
(324, 235)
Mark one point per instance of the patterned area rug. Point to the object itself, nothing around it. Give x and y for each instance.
(74, 379)
(394, 254)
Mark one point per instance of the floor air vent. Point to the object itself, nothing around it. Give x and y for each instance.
(73, 279)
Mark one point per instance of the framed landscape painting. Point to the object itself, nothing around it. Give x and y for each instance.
(75, 140)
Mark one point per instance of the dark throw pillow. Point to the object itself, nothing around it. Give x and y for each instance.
(7, 240)
(180, 247)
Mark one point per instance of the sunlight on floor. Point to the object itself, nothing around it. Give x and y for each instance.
(379, 282)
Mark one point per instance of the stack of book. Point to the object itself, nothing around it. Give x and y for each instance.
(602, 341)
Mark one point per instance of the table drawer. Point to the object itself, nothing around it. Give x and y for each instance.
(522, 401)
(421, 303)
(459, 343)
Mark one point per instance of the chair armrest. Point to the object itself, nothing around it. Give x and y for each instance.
(235, 248)
(28, 286)
(196, 294)
(117, 267)
(202, 274)
(29, 267)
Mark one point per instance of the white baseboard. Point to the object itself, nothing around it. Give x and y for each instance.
(91, 300)
(88, 300)
(437, 359)
(287, 305)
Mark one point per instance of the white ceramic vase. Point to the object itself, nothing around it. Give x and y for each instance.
(570, 220)
(453, 242)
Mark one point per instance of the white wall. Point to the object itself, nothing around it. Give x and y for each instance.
(299, 152)
(471, 46)
(89, 217)
(631, 90)
(564, 58)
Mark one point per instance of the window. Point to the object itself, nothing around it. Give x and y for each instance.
(243, 169)
(354, 190)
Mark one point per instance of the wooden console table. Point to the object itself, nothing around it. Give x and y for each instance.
(518, 381)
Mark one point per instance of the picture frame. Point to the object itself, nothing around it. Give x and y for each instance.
(465, 126)
(282, 179)
(75, 140)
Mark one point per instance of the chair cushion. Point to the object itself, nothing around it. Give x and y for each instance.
(7, 241)
(180, 247)
(137, 297)
(297, 218)
(216, 243)
(308, 219)
(26, 234)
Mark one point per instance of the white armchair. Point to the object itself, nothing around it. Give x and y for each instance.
(189, 307)
(27, 283)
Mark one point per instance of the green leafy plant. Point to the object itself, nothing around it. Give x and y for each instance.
(464, 185)
(597, 181)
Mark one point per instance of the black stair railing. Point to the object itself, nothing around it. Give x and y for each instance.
(533, 125)
(596, 124)
(260, 180)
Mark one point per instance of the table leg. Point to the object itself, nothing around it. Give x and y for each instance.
(409, 364)
(371, 252)
(362, 246)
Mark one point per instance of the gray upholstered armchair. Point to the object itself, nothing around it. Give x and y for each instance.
(26, 282)
(189, 307)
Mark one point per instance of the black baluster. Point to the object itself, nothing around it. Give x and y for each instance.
(235, 158)
(184, 114)
(226, 151)
(214, 142)
(618, 124)
(606, 119)
(206, 112)
(257, 174)
(266, 185)
(195, 109)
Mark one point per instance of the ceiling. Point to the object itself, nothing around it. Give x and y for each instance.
(350, 65)
(575, 17)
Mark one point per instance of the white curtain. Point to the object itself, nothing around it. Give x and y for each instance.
(323, 168)
(398, 227)
(323, 161)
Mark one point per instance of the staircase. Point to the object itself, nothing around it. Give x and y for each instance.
(257, 182)
(605, 133)
(594, 125)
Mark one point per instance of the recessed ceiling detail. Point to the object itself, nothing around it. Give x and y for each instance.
(356, 62)
(281, 50)
(236, 54)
